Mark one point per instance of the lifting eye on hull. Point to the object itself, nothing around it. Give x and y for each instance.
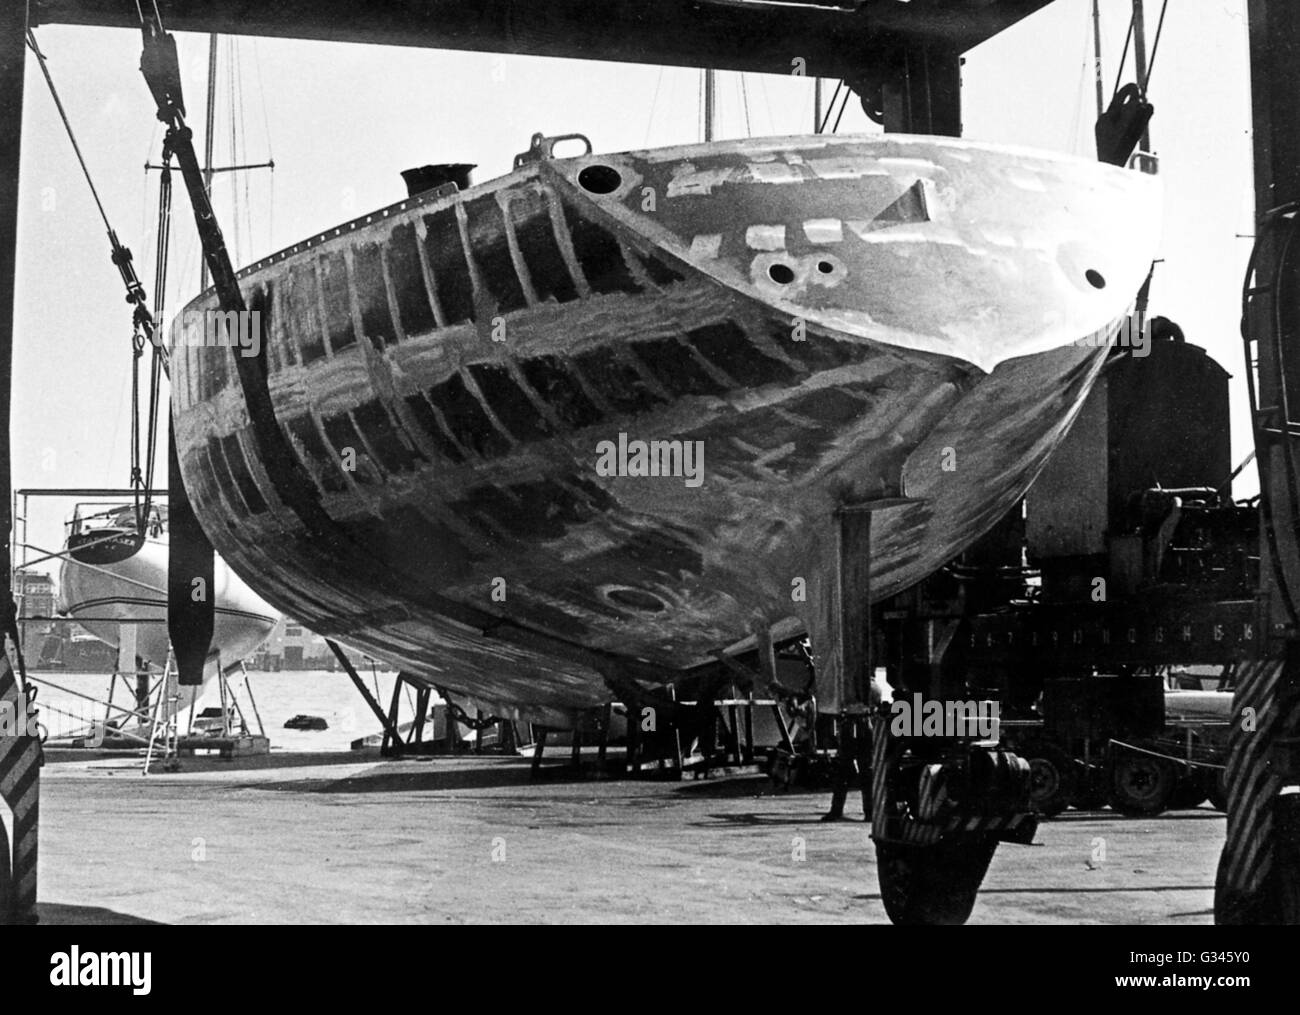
(633, 599)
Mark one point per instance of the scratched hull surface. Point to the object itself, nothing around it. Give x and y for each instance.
(836, 319)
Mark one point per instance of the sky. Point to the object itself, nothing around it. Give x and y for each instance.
(341, 121)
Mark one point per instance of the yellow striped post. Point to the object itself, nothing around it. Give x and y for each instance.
(20, 767)
(1247, 889)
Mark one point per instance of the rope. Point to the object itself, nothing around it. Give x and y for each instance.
(744, 98)
(1132, 26)
(1155, 49)
(649, 125)
(67, 126)
(1166, 757)
(843, 106)
(821, 127)
(143, 322)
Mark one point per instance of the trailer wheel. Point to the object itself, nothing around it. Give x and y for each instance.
(1141, 785)
(1052, 778)
(932, 885)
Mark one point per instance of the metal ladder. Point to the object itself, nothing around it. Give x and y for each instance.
(164, 725)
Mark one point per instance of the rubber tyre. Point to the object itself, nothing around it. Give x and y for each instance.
(1140, 785)
(932, 885)
(1189, 792)
(1052, 778)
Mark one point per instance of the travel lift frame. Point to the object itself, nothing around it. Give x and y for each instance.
(914, 86)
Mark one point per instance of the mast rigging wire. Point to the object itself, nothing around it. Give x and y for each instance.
(143, 330)
(67, 126)
(1128, 41)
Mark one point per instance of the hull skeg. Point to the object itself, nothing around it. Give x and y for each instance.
(831, 320)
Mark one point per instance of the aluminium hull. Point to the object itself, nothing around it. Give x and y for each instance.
(838, 320)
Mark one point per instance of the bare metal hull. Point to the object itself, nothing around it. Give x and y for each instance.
(836, 319)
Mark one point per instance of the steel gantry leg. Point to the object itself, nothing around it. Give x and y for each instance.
(20, 749)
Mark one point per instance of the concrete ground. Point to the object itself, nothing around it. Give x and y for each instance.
(341, 838)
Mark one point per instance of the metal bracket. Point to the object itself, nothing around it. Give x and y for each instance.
(542, 147)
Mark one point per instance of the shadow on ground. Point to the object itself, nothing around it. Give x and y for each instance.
(57, 914)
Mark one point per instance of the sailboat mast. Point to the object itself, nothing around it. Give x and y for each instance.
(708, 104)
(209, 123)
(817, 105)
(1140, 57)
(1096, 48)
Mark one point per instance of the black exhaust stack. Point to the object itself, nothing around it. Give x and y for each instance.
(426, 178)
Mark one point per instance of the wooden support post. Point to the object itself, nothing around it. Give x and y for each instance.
(478, 731)
(606, 719)
(749, 730)
(787, 742)
(421, 714)
(633, 739)
(392, 742)
(677, 733)
(450, 731)
(708, 727)
(733, 731)
(855, 606)
(389, 729)
(539, 746)
(575, 752)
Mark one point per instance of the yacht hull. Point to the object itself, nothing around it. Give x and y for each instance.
(830, 321)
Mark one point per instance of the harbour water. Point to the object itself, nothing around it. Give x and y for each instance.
(279, 696)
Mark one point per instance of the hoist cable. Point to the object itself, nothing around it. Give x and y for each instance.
(158, 365)
(143, 322)
(830, 107)
(67, 126)
(848, 93)
(1155, 49)
(1132, 25)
